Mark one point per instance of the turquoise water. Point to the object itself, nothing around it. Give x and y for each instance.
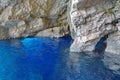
(49, 59)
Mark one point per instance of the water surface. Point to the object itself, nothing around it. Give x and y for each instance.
(50, 59)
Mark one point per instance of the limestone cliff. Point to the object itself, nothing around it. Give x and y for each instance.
(23, 18)
(90, 21)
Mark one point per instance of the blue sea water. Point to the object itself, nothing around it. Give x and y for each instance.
(48, 59)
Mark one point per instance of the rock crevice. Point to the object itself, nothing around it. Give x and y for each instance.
(92, 21)
(24, 18)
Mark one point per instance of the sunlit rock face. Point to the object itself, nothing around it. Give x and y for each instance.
(89, 24)
(25, 18)
(113, 42)
(4, 32)
(53, 32)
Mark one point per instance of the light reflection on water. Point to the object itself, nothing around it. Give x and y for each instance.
(50, 59)
(30, 58)
(84, 66)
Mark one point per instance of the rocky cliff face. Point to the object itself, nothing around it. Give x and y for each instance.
(92, 21)
(88, 21)
(23, 18)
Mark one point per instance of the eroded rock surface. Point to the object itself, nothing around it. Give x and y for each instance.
(91, 23)
(25, 18)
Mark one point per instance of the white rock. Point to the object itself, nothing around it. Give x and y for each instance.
(89, 24)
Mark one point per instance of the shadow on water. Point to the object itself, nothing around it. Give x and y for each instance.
(50, 59)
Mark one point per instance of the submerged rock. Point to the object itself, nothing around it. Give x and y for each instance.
(112, 62)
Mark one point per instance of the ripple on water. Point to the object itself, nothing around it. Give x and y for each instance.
(50, 59)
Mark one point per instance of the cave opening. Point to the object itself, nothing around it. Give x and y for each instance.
(101, 45)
